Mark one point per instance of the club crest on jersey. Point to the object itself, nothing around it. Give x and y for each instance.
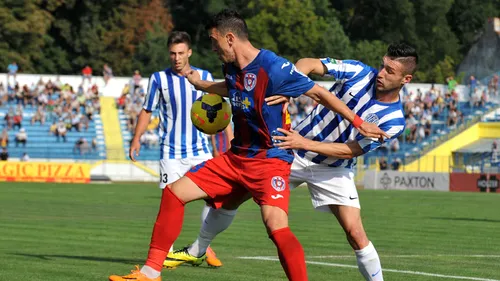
(250, 81)
(371, 118)
(278, 183)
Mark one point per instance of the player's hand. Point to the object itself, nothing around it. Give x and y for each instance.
(371, 130)
(291, 140)
(135, 147)
(193, 77)
(277, 99)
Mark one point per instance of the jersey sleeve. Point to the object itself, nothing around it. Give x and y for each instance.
(287, 80)
(394, 129)
(152, 98)
(345, 69)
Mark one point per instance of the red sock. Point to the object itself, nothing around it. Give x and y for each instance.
(291, 254)
(166, 230)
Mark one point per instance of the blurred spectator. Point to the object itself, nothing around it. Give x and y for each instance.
(18, 118)
(136, 79)
(452, 84)
(25, 157)
(39, 116)
(383, 164)
(493, 85)
(21, 137)
(53, 129)
(150, 139)
(4, 138)
(3, 94)
(494, 153)
(61, 131)
(81, 146)
(12, 71)
(394, 145)
(87, 74)
(452, 118)
(107, 73)
(9, 118)
(94, 144)
(396, 163)
(472, 84)
(4, 155)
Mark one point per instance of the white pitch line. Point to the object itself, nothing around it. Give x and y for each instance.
(384, 269)
(405, 256)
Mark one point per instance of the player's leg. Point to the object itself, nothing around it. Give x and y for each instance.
(333, 190)
(366, 254)
(218, 220)
(203, 181)
(167, 228)
(269, 186)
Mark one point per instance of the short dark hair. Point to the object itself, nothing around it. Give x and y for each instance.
(177, 37)
(404, 53)
(229, 21)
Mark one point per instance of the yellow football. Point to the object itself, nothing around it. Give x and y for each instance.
(210, 114)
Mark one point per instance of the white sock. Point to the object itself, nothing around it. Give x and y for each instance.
(216, 221)
(369, 263)
(150, 272)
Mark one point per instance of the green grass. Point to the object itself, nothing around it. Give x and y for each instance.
(86, 232)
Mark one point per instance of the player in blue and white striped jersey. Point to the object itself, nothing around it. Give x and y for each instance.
(182, 146)
(326, 146)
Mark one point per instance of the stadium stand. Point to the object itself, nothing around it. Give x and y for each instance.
(71, 127)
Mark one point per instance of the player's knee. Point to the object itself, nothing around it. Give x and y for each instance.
(274, 218)
(357, 236)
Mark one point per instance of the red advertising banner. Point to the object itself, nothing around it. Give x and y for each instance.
(474, 182)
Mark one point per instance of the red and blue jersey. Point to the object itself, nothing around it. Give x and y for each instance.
(254, 121)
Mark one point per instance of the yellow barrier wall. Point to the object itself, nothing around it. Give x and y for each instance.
(439, 159)
(44, 172)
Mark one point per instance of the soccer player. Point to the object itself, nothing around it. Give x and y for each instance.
(182, 145)
(326, 145)
(253, 164)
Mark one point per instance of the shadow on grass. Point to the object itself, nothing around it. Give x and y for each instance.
(85, 258)
(99, 259)
(465, 219)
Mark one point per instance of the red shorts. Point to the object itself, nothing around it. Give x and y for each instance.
(229, 177)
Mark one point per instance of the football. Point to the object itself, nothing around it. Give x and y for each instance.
(210, 114)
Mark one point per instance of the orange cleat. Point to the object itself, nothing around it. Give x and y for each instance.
(212, 259)
(136, 275)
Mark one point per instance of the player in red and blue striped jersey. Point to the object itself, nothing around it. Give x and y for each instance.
(253, 164)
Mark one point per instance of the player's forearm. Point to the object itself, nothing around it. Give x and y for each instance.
(310, 66)
(330, 101)
(142, 124)
(218, 88)
(337, 150)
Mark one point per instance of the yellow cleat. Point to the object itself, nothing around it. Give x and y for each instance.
(176, 258)
(212, 259)
(136, 275)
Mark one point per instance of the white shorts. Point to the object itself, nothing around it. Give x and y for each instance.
(173, 169)
(327, 185)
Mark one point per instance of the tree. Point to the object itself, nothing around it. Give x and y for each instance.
(292, 29)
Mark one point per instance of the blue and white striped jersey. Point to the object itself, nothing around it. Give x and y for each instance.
(355, 86)
(174, 96)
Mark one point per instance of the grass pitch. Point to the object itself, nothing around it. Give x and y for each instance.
(86, 232)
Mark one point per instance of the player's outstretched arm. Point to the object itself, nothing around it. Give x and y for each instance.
(322, 96)
(140, 128)
(293, 140)
(311, 66)
(218, 88)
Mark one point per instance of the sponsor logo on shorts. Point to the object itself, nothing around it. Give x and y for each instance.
(278, 183)
(277, 196)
